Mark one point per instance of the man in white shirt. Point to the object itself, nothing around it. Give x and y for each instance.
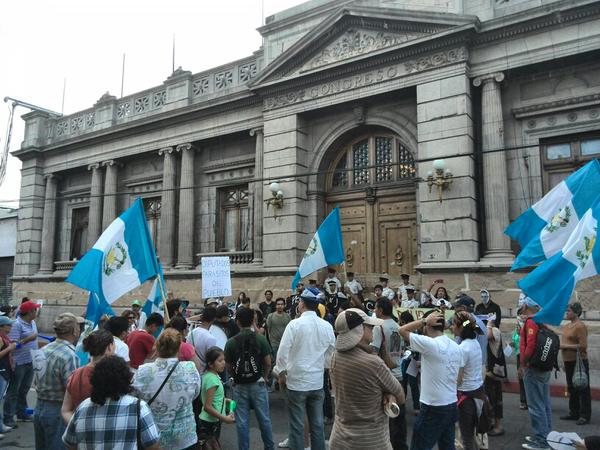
(441, 359)
(387, 291)
(351, 285)
(402, 288)
(411, 301)
(119, 327)
(304, 352)
(201, 338)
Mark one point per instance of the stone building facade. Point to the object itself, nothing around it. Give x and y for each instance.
(347, 103)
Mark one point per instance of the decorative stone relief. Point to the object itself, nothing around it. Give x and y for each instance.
(200, 87)
(76, 124)
(142, 104)
(90, 119)
(224, 79)
(357, 42)
(123, 110)
(247, 72)
(62, 128)
(159, 99)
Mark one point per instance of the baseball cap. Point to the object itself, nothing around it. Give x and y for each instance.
(409, 287)
(5, 321)
(65, 323)
(332, 282)
(136, 303)
(28, 306)
(385, 277)
(349, 326)
(211, 300)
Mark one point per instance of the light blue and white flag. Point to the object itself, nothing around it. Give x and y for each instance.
(121, 260)
(325, 248)
(551, 284)
(543, 229)
(154, 301)
(96, 308)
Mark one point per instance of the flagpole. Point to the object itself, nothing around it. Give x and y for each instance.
(164, 298)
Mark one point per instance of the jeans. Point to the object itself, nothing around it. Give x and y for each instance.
(537, 388)
(435, 424)
(48, 425)
(3, 386)
(309, 403)
(413, 382)
(398, 430)
(16, 396)
(467, 423)
(252, 395)
(580, 400)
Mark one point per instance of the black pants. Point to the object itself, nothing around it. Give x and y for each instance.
(580, 400)
(522, 396)
(467, 423)
(413, 382)
(398, 430)
(493, 390)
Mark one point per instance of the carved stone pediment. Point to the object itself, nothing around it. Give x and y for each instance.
(356, 42)
(353, 35)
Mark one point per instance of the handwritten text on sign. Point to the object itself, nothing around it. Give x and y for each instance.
(216, 276)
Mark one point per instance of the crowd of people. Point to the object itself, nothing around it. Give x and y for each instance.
(336, 354)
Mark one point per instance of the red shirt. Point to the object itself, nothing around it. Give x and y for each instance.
(140, 344)
(186, 352)
(79, 386)
(527, 341)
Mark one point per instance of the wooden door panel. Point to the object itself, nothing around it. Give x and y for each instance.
(355, 247)
(397, 247)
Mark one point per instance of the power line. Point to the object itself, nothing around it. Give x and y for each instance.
(280, 178)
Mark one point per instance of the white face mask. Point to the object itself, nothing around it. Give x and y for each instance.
(485, 297)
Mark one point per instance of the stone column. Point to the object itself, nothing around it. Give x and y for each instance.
(95, 217)
(109, 212)
(185, 248)
(495, 179)
(49, 226)
(167, 209)
(257, 228)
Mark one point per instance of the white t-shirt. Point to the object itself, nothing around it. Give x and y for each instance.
(394, 343)
(410, 303)
(441, 359)
(388, 293)
(472, 358)
(219, 335)
(121, 349)
(353, 287)
(202, 340)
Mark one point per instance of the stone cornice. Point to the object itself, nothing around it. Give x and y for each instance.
(536, 19)
(212, 168)
(556, 105)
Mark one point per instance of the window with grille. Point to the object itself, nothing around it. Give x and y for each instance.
(373, 159)
(152, 207)
(561, 156)
(234, 219)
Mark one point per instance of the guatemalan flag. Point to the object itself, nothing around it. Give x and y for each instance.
(325, 248)
(543, 229)
(154, 301)
(121, 260)
(552, 283)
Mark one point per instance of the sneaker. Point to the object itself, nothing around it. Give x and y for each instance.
(535, 446)
(1, 436)
(568, 417)
(10, 425)
(582, 421)
(28, 418)
(284, 443)
(531, 439)
(5, 429)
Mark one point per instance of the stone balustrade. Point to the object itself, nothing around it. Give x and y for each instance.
(64, 265)
(182, 88)
(234, 257)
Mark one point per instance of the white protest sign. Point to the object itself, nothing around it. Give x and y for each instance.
(216, 276)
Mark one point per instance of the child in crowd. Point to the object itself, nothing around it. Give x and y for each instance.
(213, 401)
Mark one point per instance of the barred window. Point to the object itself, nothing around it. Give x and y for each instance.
(234, 219)
(372, 159)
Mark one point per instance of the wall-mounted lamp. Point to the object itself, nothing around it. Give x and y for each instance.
(276, 201)
(441, 179)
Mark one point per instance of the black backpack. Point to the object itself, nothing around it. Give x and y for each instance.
(248, 365)
(547, 346)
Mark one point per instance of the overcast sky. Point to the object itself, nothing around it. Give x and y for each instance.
(42, 42)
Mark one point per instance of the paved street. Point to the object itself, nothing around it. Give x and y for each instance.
(516, 425)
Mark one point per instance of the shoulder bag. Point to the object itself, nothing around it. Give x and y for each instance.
(163, 383)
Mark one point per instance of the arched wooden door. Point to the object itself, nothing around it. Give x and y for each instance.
(372, 182)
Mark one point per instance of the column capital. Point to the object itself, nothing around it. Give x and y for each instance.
(494, 76)
(184, 147)
(111, 162)
(165, 150)
(256, 131)
(94, 166)
(51, 176)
